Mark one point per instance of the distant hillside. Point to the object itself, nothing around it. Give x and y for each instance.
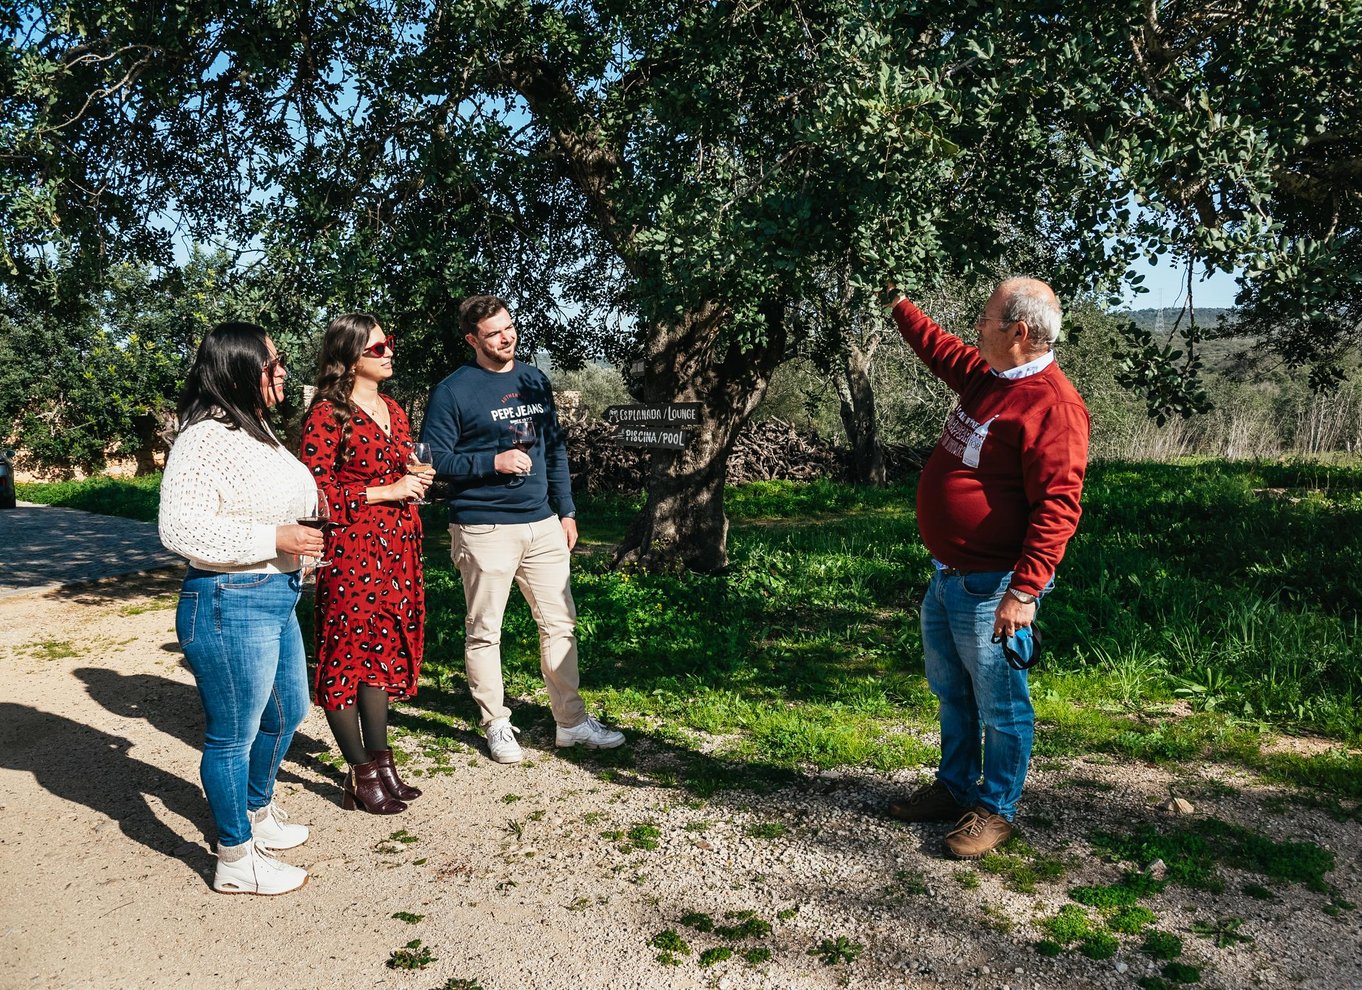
(1216, 355)
(1155, 319)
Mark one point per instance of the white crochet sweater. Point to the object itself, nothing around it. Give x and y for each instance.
(223, 494)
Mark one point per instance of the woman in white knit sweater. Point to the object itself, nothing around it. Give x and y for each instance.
(230, 501)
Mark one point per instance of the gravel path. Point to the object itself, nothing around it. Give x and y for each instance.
(104, 856)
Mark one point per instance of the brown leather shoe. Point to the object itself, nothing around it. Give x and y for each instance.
(387, 772)
(929, 803)
(364, 789)
(977, 834)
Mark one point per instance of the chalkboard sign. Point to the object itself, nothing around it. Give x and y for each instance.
(659, 427)
(667, 414)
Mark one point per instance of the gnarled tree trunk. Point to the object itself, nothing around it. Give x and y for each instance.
(857, 406)
(683, 524)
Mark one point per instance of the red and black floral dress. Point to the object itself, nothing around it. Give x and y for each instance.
(371, 605)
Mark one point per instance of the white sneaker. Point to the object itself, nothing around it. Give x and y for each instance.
(590, 734)
(501, 744)
(247, 869)
(270, 828)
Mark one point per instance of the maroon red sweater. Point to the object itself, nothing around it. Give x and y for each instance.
(1000, 491)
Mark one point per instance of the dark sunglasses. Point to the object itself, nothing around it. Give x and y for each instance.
(278, 361)
(1022, 649)
(382, 349)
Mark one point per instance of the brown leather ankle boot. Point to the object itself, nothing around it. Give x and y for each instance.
(387, 772)
(364, 788)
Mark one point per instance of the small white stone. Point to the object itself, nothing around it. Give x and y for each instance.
(985, 970)
(1121, 967)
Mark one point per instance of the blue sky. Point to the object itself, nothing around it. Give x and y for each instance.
(1167, 284)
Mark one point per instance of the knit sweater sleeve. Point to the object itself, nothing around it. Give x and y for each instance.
(192, 521)
(946, 355)
(1052, 471)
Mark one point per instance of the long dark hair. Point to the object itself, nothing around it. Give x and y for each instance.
(224, 383)
(343, 344)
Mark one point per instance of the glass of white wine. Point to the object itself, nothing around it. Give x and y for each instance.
(420, 461)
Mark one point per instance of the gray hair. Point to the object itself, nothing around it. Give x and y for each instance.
(1033, 303)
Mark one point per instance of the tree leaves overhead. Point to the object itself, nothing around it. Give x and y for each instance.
(665, 181)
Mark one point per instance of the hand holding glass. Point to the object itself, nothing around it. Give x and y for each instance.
(523, 438)
(319, 520)
(419, 461)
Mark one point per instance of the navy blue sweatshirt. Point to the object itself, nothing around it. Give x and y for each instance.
(468, 422)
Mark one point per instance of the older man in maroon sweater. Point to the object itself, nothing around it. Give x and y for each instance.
(997, 503)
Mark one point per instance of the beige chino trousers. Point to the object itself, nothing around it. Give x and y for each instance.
(535, 556)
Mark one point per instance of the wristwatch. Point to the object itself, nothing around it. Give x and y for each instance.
(1022, 596)
(568, 515)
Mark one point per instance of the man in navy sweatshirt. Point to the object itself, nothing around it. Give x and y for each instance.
(511, 518)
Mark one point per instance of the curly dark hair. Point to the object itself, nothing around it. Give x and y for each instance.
(345, 339)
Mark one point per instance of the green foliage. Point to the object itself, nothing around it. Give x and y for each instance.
(1338, 905)
(669, 941)
(807, 655)
(718, 954)
(101, 375)
(644, 836)
(132, 498)
(1099, 945)
(766, 830)
(1131, 920)
(699, 921)
(1181, 973)
(834, 951)
(1071, 924)
(745, 926)
(1161, 945)
(408, 917)
(1223, 932)
(757, 956)
(1022, 865)
(1192, 852)
(670, 178)
(413, 955)
(1048, 948)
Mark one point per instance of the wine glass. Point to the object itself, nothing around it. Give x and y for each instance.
(319, 518)
(419, 461)
(523, 438)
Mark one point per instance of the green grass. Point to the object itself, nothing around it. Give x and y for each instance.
(133, 498)
(1194, 851)
(1234, 589)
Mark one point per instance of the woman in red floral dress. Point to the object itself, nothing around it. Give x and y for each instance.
(370, 610)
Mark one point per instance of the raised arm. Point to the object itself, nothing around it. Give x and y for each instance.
(945, 355)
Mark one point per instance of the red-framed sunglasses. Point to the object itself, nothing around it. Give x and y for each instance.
(382, 349)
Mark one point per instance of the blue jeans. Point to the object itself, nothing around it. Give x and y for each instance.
(979, 692)
(241, 639)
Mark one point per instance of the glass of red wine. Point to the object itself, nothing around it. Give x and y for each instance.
(523, 438)
(319, 519)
